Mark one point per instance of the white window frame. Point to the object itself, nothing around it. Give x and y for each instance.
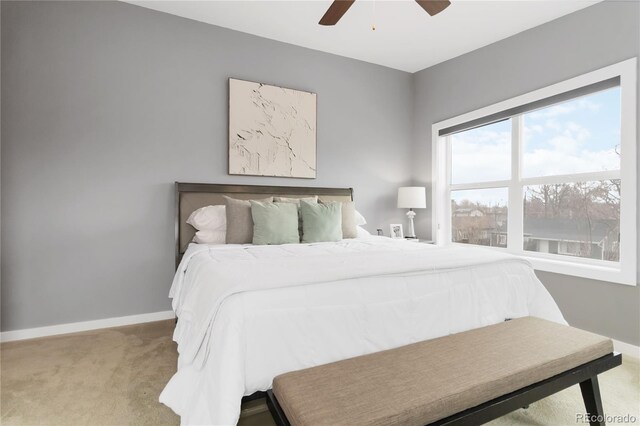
(622, 272)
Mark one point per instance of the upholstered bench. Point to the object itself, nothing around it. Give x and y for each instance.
(466, 378)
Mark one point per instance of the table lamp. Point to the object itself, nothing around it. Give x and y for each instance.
(412, 197)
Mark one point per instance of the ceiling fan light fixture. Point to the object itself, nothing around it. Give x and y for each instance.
(339, 7)
(335, 12)
(433, 7)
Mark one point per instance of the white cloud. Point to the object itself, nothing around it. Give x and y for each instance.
(553, 124)
(546, 162)
(481, 156)
(535, 128)
(566, 153)
(484, 155)
(570, 139)
(553, 146)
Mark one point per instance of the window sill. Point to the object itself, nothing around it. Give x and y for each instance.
(583, 268)
(595, 272)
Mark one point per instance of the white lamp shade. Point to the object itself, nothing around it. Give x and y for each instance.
(412, 197)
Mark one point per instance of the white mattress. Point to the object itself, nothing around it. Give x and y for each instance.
(249, 313)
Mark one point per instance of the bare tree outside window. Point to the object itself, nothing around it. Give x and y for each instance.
(479, 217)
(575, 219)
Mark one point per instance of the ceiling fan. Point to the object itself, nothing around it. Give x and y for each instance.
(340, 7)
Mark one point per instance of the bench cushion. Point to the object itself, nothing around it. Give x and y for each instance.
(427, 381)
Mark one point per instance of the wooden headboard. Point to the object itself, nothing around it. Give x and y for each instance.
(191, 196)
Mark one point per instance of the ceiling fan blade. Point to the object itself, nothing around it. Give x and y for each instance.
(433, 7)
(335, 12)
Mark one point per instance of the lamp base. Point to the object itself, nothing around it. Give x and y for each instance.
(411, 233)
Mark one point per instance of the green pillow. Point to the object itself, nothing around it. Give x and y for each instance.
(274, 223)
(321, 222)
(349, 227)
(296, 201)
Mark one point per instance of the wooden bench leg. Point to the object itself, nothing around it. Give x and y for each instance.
(276, 410)
(592, 401)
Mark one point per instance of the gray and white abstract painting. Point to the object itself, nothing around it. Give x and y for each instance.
(272, 130)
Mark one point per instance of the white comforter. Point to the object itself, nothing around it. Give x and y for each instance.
(249, 313)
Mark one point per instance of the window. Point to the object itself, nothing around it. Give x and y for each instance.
(549, 175)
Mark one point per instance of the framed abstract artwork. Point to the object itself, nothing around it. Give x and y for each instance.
(272, 130)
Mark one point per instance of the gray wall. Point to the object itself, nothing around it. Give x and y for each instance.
(589, 39)
(105, 105)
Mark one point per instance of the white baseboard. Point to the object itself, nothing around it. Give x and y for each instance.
(626, 348)
(32, 333)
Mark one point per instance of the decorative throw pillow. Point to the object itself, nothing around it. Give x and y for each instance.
(296, 201)
(321, 222)
(209, 218)
(209, 236)
(239, 220)
(274, 223)
(349, 219)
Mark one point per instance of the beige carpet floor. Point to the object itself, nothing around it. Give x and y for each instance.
(114, 377)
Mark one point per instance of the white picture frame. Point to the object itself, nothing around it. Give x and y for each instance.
(396, 231)
(272, 130)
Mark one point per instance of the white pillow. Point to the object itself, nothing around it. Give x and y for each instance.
(209, 218)
(363, 233)
(209, 236)
(360, 220)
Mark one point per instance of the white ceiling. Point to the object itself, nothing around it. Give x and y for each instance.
(406, 37)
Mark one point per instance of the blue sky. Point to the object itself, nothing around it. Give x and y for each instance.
(482, 154)
(573, 137)
(577, 136)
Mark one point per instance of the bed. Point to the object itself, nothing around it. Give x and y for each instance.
(249, 313)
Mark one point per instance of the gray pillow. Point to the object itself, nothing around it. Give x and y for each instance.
(321, 222)
(349, 222)
(239, 220)
(274, 223)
